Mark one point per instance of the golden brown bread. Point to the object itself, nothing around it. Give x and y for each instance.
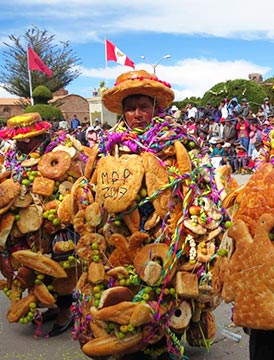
(118, 181)
(6, 223)
(115, 295)
(20, 308)
(39, 262)
(96, 272)
(147, 266)
(156, 178)
(9, 190)
(30, 218)
(43, 186)
(187, 284)
(119, 313)
(43, 295)
(110, 345)
(248, 277)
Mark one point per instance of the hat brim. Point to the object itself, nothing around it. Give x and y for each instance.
(113, 98)
(27, 132)
(30, 134)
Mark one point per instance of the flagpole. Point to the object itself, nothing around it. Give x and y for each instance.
(30, 84)
(106, 62)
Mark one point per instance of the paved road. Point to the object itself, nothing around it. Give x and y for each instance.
(17, 342)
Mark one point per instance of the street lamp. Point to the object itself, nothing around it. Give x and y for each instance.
(154, 66)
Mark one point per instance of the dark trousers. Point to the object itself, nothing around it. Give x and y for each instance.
(261, 345)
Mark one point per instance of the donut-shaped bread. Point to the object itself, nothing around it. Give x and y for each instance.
(54, 165)
(147, 266)
(181, 317)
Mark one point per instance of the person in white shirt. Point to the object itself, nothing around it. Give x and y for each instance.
(191, 111)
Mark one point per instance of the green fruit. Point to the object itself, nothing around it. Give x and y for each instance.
(25, 182)
(51, 217)
(222, 252)
(31, 178)
(94, 246)
(143, 193)
(55, 222)
(228, 224)
(96, 258)
(16, 217)
(32, 305)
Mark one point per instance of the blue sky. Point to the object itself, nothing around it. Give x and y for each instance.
(209, 41)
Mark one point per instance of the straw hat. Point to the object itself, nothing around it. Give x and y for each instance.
(138, 82)
(24, 126)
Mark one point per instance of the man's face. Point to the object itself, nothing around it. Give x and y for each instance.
(138, 111)
(27, 145)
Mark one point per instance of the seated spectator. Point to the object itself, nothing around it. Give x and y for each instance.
(213, 129)
(91, 136)
(229, 155)
(256, 153)
(254, 136)
(241, 160)
(202, 128)
(242, 128)
(217, 153)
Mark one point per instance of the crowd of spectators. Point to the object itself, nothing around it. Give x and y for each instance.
(233, 133)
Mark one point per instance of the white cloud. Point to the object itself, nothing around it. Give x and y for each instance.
(5, 94)
(189, 77)
(81, 18)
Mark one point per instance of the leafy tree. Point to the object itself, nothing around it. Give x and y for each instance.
(41, 95)
(59, 58)
(240, 88)
(48, 112)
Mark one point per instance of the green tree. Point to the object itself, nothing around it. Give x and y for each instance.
(59, 58)
(240, 88)
(41, 95)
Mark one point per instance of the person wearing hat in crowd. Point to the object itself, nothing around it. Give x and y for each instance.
(256, 154)
(229, 131)
(217, 153)
(229, 155)
(213, 129)
(254, 135)
(33, 140)
(245, 108)
(266, 128)
(202, 128)
(241, 160)
(267, 107)
(91, 136)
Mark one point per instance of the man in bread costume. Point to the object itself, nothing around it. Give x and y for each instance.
(36, 233)
(150, 238)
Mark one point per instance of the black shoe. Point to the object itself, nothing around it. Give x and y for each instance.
(59, 329)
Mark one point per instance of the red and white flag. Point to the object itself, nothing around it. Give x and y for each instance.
(35, 63)
(113, 53)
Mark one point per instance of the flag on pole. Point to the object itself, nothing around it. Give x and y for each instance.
(113, 53)
(35, 63)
